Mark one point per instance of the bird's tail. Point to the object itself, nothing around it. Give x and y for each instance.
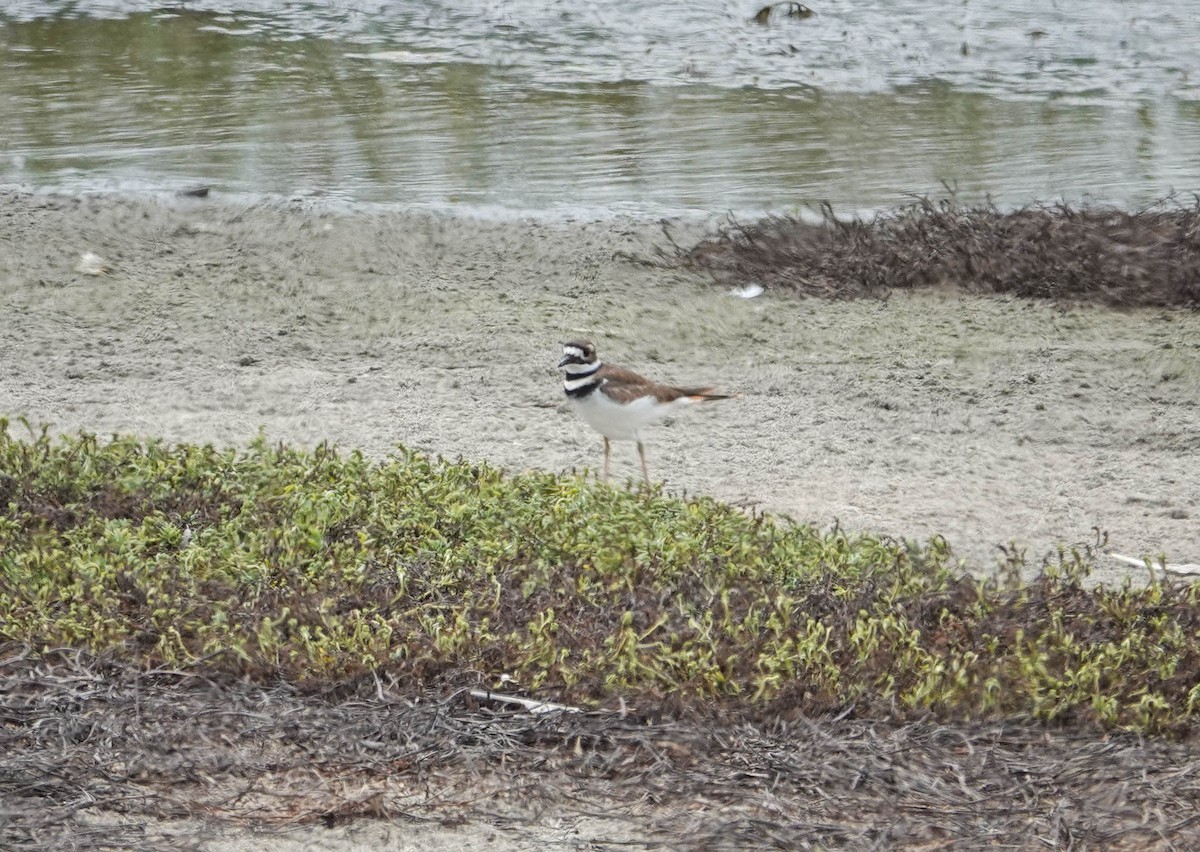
(708, 394)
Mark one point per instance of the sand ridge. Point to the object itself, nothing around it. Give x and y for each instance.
(986, 420)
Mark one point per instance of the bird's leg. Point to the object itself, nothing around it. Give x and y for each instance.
(607, 452)
(642, 456)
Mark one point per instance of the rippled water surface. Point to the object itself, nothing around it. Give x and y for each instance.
(556, 106)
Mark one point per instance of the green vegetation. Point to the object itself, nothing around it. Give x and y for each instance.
(319, 567)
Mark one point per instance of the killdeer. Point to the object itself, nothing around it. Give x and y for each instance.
(617, 402)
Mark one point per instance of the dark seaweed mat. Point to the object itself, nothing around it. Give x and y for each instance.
(1148, 257)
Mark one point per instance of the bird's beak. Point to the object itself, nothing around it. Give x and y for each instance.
(565, 360)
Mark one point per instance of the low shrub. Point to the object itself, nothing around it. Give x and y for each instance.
(319, 567)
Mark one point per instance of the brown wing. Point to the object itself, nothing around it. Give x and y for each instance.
(625, 386)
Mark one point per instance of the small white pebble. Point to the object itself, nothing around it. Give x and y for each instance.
(91, 263)
(750, 291)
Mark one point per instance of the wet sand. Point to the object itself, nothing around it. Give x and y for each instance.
(989, 421)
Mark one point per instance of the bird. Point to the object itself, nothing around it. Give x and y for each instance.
(617, 402)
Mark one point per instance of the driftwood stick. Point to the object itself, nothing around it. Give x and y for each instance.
(528, 703)
(1172, 568)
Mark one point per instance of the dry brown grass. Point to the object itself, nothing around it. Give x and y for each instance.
(82, 737)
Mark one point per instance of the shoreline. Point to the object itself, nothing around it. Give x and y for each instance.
(987, 420)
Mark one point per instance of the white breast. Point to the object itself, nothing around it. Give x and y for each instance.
(622, 422)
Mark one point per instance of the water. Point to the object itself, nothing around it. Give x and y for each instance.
(569, 107)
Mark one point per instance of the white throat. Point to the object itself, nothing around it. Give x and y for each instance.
(577, 370)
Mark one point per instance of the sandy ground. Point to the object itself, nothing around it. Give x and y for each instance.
(508, 832)
(986, 420)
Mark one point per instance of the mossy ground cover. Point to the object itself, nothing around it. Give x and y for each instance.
(321, 568)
